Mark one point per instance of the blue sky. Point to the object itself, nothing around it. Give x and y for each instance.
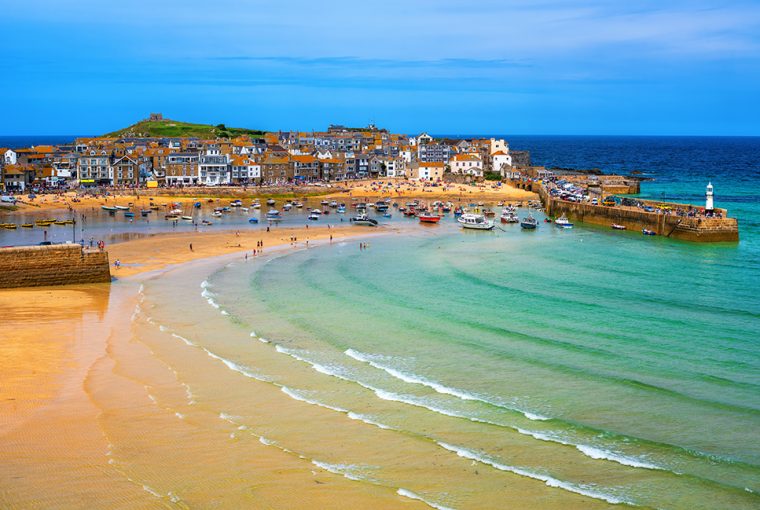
(444, 66)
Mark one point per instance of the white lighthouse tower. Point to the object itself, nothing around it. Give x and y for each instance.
(709, 198)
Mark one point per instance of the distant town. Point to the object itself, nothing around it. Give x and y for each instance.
(287, 157)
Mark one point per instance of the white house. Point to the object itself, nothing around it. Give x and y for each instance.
(212, 168)
(9, 156)
(466, 164)
(501, 162)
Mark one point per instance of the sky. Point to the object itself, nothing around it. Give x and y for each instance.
(602, 67)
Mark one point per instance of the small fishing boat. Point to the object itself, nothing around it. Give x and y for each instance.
(325, 202)
(121, 207)
(313, 216)
(488, 213)
(129, 214)
(362, 219)
(236, 203)
(273, 215)
(187, 218)
(27, 225)
(297, 205)
(256, 205)
(547, 220)
(145, 212)
(108, 208)
(171, 216)
(508, 216)
(341, 210)
(616, 226)
(287, 207)
(216, 214)
(206, 223)
(648, 232)
(253, 220)
(45, 223)
(381, 206)
(458, 212)
(563, 222)
(154, 208)
(387, 215)
(429, 218)
(9, 226)
(270, 201)
(197, 205)
(475, 222)
(176, 212)
(529, 222)
(333, 204)
(244, 209)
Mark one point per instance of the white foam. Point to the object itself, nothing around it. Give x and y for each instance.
(188, 342)
(229, 417)
(265, 441)
(253, 334)
(367, 420)
(224, 312)
(434, 385)
(548, 480)
(151, 491)
(597, 453)
(296, 395)
(411, 495)
(263, 340)
(179, 415)
(205, 284)
(338, 469)
(173, 497)
(236, 367)
(163, 329)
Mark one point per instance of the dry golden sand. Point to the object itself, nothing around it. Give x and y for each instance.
(70, 365)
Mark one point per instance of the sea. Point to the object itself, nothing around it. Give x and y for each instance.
(556, 368)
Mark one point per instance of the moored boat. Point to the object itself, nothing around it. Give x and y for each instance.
(362, 219)
(529, 222)
(253, 220)
(429, 218)
(27, 225)
(617, 226)
(108, 208)
(563, 222)
(121, 207)
(648, 232)
(508, 216)
(475, 222)
(270, 201)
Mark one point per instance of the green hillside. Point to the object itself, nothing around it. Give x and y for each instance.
(173, 128)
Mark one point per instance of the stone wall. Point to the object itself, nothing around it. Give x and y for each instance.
(61, 264)
(677, 227)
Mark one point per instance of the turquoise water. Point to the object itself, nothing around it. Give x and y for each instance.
(625, 366)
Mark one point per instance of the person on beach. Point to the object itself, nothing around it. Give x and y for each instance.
(191, 246)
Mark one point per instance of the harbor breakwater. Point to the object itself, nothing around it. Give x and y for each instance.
(684, 228)
(63, 264)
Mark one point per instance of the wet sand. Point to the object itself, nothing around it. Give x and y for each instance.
(79, 408)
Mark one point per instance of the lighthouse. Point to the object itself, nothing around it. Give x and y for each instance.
(709, 198)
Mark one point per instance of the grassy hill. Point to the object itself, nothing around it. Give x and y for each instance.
(174, 128)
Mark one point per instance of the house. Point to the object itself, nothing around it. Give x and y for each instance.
(433, 152)
(8, 157)
(94, 168)
(501, 162)
(125, 171)
(18, 177)
(182, 169)
(466, 164)
(305, 167)
(244, 170)
(332, 169)
(428, 171)
(275, 169)
(213, 167)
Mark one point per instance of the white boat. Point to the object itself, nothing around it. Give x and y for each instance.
(121, 207)
(286, 207)
(316, 211)
(187, 218)
(256, 205)
(313, 216)
(363, 219)
(270, 201)
(475, 222)
(175, 211)
(563, 222)
(509, 216)
(273, 213)
(216, 214)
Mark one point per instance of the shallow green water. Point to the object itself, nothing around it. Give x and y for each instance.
(635, 358)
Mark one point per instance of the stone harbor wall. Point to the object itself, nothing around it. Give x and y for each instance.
(61, 264)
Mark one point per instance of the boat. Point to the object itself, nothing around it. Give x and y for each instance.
(171, 216)
(108, 208)
(270, 201)
(45, 223)
(236, 203)
(187, 218)
(154, 208)
(27, 225)
(274, 215)
(488, 213)
(9, 226)
(508, 216)
(429, 218)
(648, 232)
(59, 223)
(325, 202)
(197, 205)
(206, 222)
(253, 220)
(316, 211)
(175, 212)
(381, 206)
(129, 214)
(298, 205)
(256, 205)
(362, 219)
(563, 222)
(216, 214)
(121, 207)
(547, 220)
(616, 226)
(475, 222)
(333, 204)
(244, 209)
(145, 212)
(313, 216)
(387, 215)
(529, 222)
(458, 212)
(287, 207)
(341, 210)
